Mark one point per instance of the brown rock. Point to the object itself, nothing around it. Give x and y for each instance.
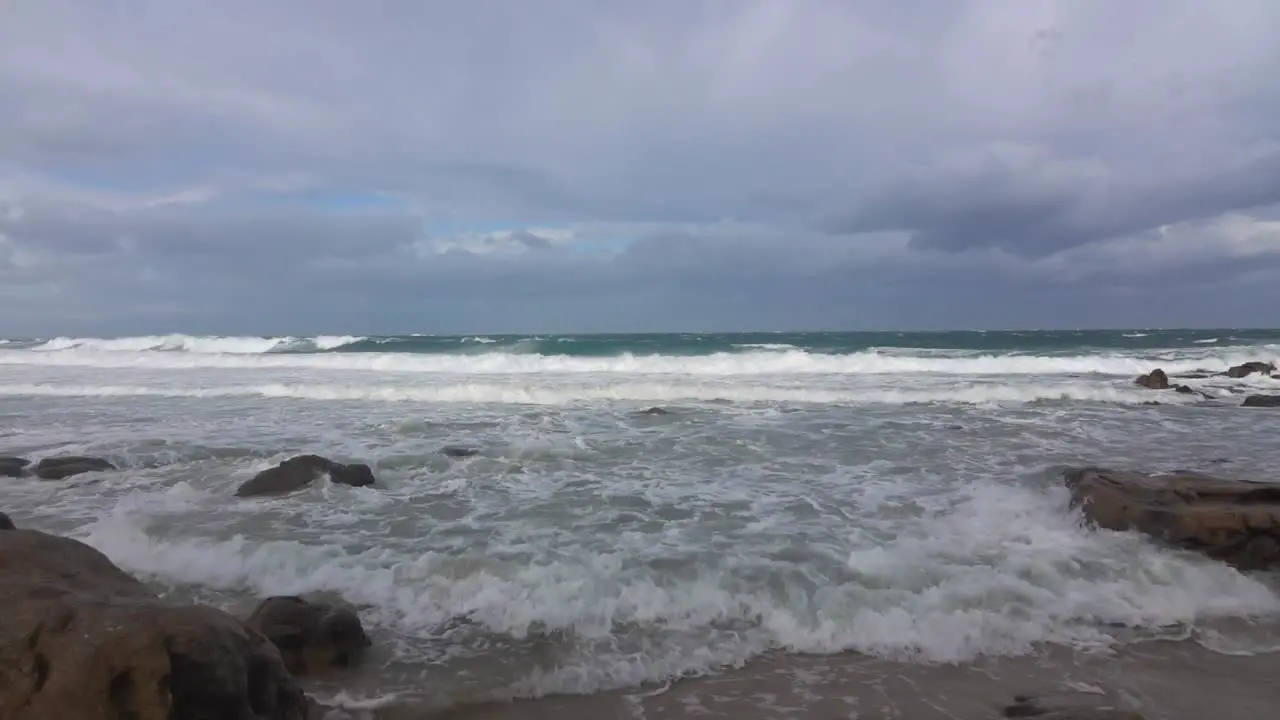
(1261, 401)
(1250, 368)
(311, 636)
(81, 639)
(1233, 520)
(58, 468)
(13, 466)
(299, 472)
(1154, 380)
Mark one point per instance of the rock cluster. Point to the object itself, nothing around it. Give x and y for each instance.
(82, 639)
(1158, 379)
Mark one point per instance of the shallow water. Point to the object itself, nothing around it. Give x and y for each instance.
(903, 504)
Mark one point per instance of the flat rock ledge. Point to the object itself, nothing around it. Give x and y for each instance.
(1237, 521)
(53, 468)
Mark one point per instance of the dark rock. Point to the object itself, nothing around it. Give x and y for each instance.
(1197, 375)
(311, 637)
(13, 466)
(1232, 520)
(299, 472)
(1067, 708)
(1250, 368)
(1184, 389)
(81, 639)
(1154, 380)
(58, 468)
(6, 523)
(458, 451)
(655, 411)
(1261, 401)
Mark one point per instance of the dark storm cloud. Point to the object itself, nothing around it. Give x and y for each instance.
(1031, 204)
(328, 166)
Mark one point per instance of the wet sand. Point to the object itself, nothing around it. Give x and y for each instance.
(1162, 680)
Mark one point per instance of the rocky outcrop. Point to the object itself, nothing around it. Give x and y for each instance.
(81, 639)
(13, 466)
(58, 468)
(299, 472)
(6, 523)
(1154, 380)
(1249, 368)
(311, 636)
(1261, 401)
(1232, 520)
(1158, 380)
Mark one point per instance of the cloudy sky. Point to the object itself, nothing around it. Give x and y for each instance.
(305, 166)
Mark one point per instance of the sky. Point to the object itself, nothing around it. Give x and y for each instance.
(395, 166)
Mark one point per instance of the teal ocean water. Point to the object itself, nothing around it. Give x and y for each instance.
(997, 341)
(891, 495)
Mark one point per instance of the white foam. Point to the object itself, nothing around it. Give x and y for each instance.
(999, 573)
(247, 353)
(566, 392)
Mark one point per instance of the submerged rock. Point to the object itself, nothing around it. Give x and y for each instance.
(13, 466)
(81, 639)
(1067, 708)
(458, 451)
(299, 472)
(1261, 401)
(1154, 380)
(311, 636)
(1250, 368)
(658, 411)
(1236, 521)
(58, 468)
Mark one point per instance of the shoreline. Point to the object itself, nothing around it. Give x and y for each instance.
(1159, 679)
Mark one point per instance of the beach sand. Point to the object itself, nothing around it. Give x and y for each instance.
(1163, 680)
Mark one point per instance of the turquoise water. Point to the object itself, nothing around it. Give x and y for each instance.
(977, 341)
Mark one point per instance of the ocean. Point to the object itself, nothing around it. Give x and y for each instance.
(817, 517)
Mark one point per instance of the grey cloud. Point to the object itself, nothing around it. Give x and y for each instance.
(1027, 202)
(816, 164)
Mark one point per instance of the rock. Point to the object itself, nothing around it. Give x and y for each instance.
(13, 466)
(311, 636)
(1154, 380)
(655, 411)
(299, 472)
(1261, 401)
(1184, 389)
(58, 468)
(1232, 520)
(6, 523)
(1250, 368)
(457, 451)
(1067, 708)
(81, 639)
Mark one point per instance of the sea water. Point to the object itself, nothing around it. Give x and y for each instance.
(892, 494)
